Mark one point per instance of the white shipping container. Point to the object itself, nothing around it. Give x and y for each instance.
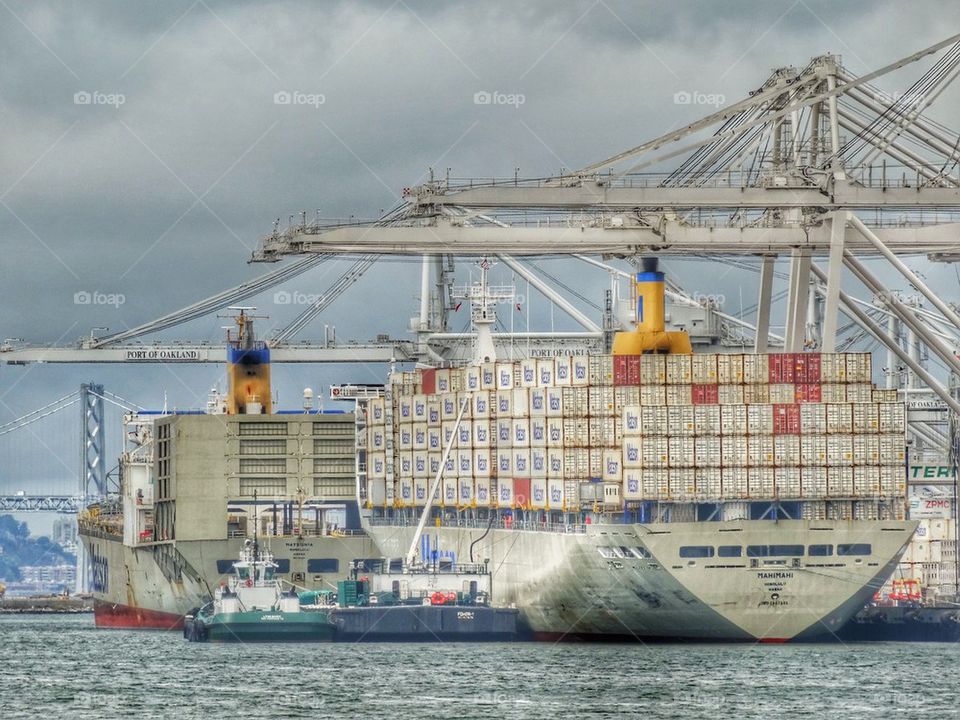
(376, 465)
(505, 376)
(471, 378)
(503, 403)
(866, 450)
(576, 401)
(760, 482)
(706, 419)
(892, 418)
(813, 419)
(433, 411)
(405, 436)
(756, 394)
(813, 450)
(449, 407)
(602, 431)
(866, 481)
(482, 491)
(450, 467)
(892, 449)
(555, 468)
(405, 465)
(859, 368)
(654, 420)
(405, 408)
(377, 438)
(555, 494)
(735, 483)
(653, 395)
(632, 452)
(679, 394)
(538, 493)
(612, 466)
(528, 373)
(505, 462)
(839, 418)
(554, 400)
(466, 497)
(866, 418)
(661, 486)
(449, 491)
(787, 481)
(482, 463)
(421, 486)
(840, 482)
(783, 393)
(730, 394)
(708, 452)
(538, 462)
(421, 464)
(681, 420)
(760, 419)
(682, 452)
(576, 432)
(488, 376)
(465, 463)
(601, 401)
(734, 450)
(683, 484)
(521, 462)
(481, 405)
(442, 381)
(833, 368)
(679, 369)
(576, 463)
(376, 492)
(859, 392)
(538, 432)
(376, 411)
(521, 433)
(786, 450)
(601, 369)
(419, 408)
(893, 481)
(733, 419)
(703, 368)
(833, 393)
(433, 464)
(420, 441)
(756, 369)
(632, 417)
(520, 402)
(655, 452)
(626, 396)
(555, 432)
(840, 450)
(580, 371)
(481, 434)
(761, 450)
(465, 435)
(632, 484)
(562, 371)
(545, 373)
(503, 432)
(653, 370)
(730, 369)
(709, 483)
(813, 482)
(504, 492)
(538, 402)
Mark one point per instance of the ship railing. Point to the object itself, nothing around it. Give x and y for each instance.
(483, 524)
(307, 532)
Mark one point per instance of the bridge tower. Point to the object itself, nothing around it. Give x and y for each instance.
(93, 474)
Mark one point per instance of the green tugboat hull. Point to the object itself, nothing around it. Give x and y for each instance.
(270, 626)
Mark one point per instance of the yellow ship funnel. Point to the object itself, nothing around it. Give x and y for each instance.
(651, 335)
(248, 371)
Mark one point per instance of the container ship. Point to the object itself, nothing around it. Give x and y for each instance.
(196, 485)
(651, 492)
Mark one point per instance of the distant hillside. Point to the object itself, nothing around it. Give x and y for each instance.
(19, 549)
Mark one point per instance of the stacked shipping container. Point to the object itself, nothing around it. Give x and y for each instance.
(608, 430)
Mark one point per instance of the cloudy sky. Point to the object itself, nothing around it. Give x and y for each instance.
(145, 151)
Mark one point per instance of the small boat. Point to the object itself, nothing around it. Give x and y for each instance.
(254, 607)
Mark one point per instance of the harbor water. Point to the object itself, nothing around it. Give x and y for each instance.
(61, 666)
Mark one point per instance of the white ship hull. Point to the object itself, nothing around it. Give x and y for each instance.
(570, 585)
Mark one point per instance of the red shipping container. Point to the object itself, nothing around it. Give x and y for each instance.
(781, 368)
(521, 492)
(808, 393)
(428, 378)
(620, 369)
(786, 419)
(633, 369)
(706, 394)
(807, 368)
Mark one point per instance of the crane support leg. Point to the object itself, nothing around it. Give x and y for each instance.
(800, 261)
(763, 303)
(831, 308)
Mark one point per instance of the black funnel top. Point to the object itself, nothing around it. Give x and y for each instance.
(649, 264)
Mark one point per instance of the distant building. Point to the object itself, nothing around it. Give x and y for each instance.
(65, 531)
(48, 578)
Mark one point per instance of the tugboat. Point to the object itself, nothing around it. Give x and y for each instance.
(254, 607)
